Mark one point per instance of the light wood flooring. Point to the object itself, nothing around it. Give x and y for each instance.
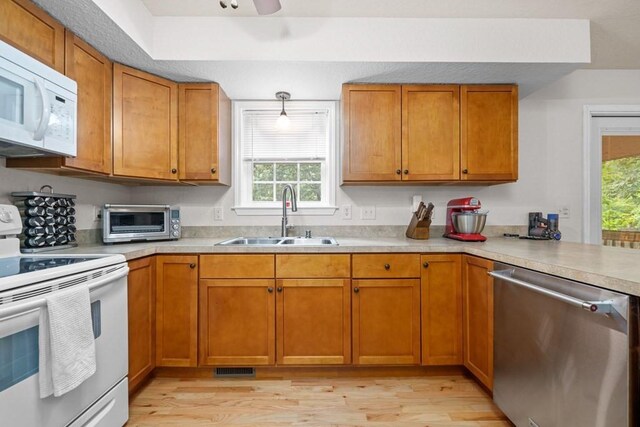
(403, 402)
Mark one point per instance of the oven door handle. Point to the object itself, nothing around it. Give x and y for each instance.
(598, 307)
(30, 305)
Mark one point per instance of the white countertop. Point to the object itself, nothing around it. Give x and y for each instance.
(617, 269)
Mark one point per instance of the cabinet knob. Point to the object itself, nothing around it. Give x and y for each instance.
(406, 171)
(398, 171)
(174, 170)
(279, 288)
(213, 170)
(387, 266)
(192, 265)
(425, 264)
(465, 171)
(356, 290)
(270, 289)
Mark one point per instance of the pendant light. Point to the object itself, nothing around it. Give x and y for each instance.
(283, 120)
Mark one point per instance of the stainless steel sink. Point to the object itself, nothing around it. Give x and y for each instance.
(276, 241)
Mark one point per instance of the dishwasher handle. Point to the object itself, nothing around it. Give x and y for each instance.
(598, 307)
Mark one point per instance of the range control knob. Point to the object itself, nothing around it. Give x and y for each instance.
(6, 216)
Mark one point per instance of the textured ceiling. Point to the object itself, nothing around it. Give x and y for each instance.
(305, 80)
(615, 27)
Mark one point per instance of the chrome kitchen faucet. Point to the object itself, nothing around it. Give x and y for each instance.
(294, 207)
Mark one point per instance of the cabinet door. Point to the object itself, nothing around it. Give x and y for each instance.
(177, 310)
(489, 133)
(30, 29)
(441, 298)
(93, 73)
(313, 321)
(478, 318)
(372, 132)
(386, 322)
(141, 293)
(237, 322)
(430, 133)
(145, 125)
(204, 124)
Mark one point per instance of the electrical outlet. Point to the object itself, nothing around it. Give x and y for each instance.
(97, 213)
(217, 213)
(346, 211)
(564, 212)
(368, 212)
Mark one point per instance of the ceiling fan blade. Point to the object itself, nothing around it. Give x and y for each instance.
(267, 7)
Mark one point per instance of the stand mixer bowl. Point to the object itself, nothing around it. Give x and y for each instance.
(468, 222)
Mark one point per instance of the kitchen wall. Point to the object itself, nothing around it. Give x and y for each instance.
(550, 148)
(91, 194)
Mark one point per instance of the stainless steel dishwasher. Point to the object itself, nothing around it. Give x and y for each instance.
(565, 353)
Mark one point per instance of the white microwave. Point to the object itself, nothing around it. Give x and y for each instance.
(38, 107)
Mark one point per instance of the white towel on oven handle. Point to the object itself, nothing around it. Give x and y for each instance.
(67, 354)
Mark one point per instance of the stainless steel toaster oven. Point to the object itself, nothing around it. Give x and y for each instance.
(138, 223)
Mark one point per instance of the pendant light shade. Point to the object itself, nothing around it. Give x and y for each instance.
(283, 119)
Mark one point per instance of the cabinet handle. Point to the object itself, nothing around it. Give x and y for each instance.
(279, 288)
(192, 266)
(174, 170)
(387, 266)
(213, 170)
(465, 171)
(398, 171)
(356, 290)
(406, 171)
(270, 289)
(425, 264)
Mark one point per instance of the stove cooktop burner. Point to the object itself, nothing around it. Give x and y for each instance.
(25, 264)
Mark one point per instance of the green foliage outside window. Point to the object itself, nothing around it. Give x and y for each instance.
(270, 178)
(621, 194)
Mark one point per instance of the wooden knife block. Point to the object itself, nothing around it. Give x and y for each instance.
(418, 229)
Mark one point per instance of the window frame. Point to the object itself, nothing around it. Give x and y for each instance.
(242, 203)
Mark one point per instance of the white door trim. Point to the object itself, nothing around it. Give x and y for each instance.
(591, 209)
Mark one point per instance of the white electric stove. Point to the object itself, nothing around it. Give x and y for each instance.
(25, 281)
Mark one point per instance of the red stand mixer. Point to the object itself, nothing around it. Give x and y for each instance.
(464, 221)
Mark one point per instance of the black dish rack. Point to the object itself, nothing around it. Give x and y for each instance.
(48, 219)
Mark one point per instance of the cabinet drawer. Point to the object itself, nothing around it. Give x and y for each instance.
(310, 266)
(386, 265)
(236, 266)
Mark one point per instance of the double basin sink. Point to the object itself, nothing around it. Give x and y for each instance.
(280, 241)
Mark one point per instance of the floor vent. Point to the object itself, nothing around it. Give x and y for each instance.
(234, 372)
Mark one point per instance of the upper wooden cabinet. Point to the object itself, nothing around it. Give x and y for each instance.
(371, 117)
(430, 133)
(28, 28)
(489, 133)
(145, 125)
(204, 123)
(477, 292)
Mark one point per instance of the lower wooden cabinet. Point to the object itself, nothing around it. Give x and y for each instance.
(478, 318)
(386, 321)
(313, 321)
(177, 310)
(441, 301)
(141, 295)
(237, 322)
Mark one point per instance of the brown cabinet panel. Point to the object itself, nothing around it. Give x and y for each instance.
(145, 125)
(204, 133)
(311, 266)
(441, 296)
(430, 132)
(176, 310)
(478, 317)
(237, 322)
(28, 28)
(141, 294)
(237, 266)
(489, 133)
(313, 321)
(386, 265)
(372, 132)
(386, 322)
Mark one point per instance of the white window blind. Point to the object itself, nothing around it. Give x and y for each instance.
(306, 138)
